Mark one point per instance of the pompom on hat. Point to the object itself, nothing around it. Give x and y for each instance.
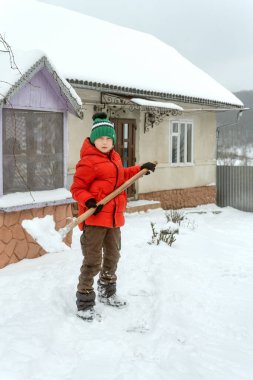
(102, 126)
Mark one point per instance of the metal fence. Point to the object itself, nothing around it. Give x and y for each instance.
(235, 187)
(234, 177)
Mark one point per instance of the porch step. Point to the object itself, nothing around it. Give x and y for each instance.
(142, 205)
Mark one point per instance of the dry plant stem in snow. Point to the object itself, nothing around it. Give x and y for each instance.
(175, 216)
(167, 235)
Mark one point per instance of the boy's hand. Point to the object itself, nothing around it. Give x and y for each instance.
(149, 166)
(91, 203)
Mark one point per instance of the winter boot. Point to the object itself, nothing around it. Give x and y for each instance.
(107, 295)
(85, 305)
(114, 301)
(85, 300)
(88, 315)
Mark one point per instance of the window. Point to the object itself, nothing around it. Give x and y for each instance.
(125, 134)
(32, 150)
(181, 142)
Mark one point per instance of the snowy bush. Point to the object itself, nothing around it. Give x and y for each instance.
(175, 216)
(164, 233)
(167, 232)
(179, 217)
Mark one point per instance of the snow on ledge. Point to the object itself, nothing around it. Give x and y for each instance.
(35, 199)
(153, 103)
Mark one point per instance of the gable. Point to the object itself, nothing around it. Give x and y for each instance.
(36, 83)
(40, 92)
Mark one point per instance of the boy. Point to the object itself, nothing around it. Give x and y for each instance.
(98, 173)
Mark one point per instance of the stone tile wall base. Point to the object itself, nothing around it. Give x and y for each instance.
(16, 244)
(144, 208)
(181, 198)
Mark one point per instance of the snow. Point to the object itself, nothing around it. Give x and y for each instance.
(10, 75)
(151, 103)
(85, 48)
(35, 197)
(189, 313)
(44, 233)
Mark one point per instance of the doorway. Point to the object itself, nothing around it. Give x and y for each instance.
(125, 130)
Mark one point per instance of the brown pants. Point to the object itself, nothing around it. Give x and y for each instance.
(94, 240)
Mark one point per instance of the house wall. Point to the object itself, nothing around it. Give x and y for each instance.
(79, 129)
(154, 145)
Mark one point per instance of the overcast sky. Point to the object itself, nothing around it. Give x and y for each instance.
(215, 35)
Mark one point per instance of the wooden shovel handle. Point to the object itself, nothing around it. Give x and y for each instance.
(106, 199)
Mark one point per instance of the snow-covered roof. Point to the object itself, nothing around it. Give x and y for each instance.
(17, 70)
(86, 49)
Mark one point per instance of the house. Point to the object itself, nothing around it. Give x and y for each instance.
(164, 107)
(34, 104)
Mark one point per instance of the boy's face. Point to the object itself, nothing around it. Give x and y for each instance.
(104, 144)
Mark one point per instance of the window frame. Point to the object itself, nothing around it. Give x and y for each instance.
(64, 152)
(177, 134)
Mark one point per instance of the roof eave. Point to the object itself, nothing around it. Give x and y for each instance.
(105, 87)
(65, 90)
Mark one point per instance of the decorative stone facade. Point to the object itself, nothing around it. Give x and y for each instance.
(180, 198)
(16, 244)
(140, 206)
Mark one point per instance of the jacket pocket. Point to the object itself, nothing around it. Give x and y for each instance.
(121, 201)
(98, 195)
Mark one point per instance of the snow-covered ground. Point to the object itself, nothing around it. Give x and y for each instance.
(189, 313)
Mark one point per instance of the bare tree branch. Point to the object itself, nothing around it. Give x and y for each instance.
(4, 81)
(13, 66)
(8, 50)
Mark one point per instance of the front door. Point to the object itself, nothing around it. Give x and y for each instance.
(125, 145)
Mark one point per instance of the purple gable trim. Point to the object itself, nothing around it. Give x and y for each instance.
(41, 93)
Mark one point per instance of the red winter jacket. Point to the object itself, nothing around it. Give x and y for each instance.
(97, 175)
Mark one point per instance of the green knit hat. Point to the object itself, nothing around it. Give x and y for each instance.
(102, 127)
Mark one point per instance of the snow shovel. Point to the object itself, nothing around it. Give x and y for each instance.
(65, 230)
